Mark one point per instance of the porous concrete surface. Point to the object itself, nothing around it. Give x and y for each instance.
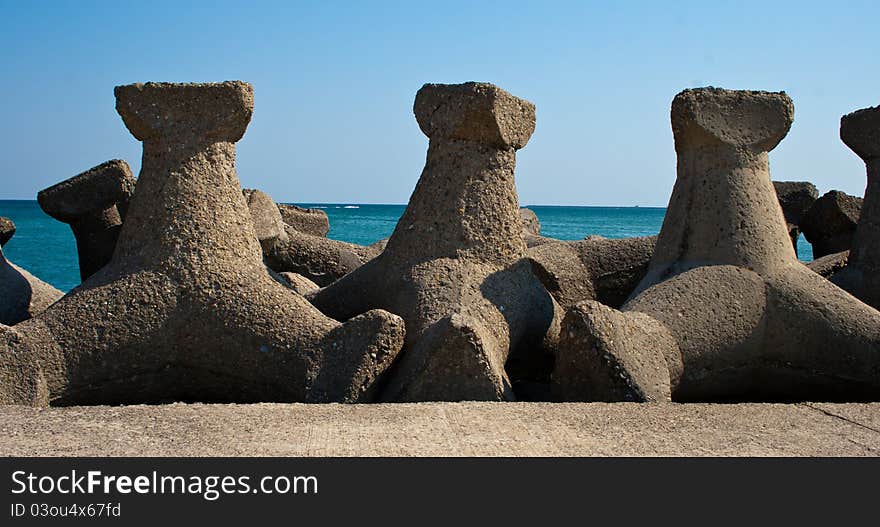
(861, 132)
(477, 318)
(595, 268)
(531, 223)
(186, 307)
(308, 221)
(830, 264)
(751, 323)
(22, 295)
(317, 258)
(796, 198)
(266, 218)
(444, 429)
(94, 204)
(7, 230)
(831, 222)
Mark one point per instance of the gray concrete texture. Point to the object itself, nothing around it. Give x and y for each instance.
(860, 131)
(22, 295)
(830, 264)
(454, 267)
(715, 308)
(830, 223)
(186, 309)
(266, 217)
(444, 429)
(7, 230)
(796, 198)
(317, 258)
(94, 204)
(748, 321)
(308, 221)
(595, 268)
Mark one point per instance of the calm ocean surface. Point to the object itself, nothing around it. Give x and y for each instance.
(46, 247)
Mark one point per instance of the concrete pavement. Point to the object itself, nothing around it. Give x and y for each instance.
(444, 429)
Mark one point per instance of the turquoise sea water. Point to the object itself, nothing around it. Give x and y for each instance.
(47, 249)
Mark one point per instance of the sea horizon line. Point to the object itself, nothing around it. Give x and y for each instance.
(343, 203)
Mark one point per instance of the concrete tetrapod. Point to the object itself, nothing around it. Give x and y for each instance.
(745, 319)
(7, 230)
(829, 265)
(454, 267)
(830, 223)
(266, 217)
(299, 283)
(594, 268)
(612, 267)
(861, 132)
(306, 251)
(22, 295)
(185, 310)
(308, 221)
(796, 198)
(93, 203)
(319, 259)
(530, 221)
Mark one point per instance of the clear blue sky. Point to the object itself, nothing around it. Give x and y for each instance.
(335, 82)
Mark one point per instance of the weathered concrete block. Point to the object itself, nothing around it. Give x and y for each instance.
(830, 224)
(266, 217)
(749, 321)
(93, 203)
(319, 259)
(601, 357)
(474, 111)
(300, 283)
(307, 221)
(796, 198)
(828, 265)
(861, 132)
(531, 224)
(7, 230)
(595, 268)
(22, 295)
(454, 267)
(186, 310)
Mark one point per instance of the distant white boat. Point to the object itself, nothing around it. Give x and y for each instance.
(351, 207)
